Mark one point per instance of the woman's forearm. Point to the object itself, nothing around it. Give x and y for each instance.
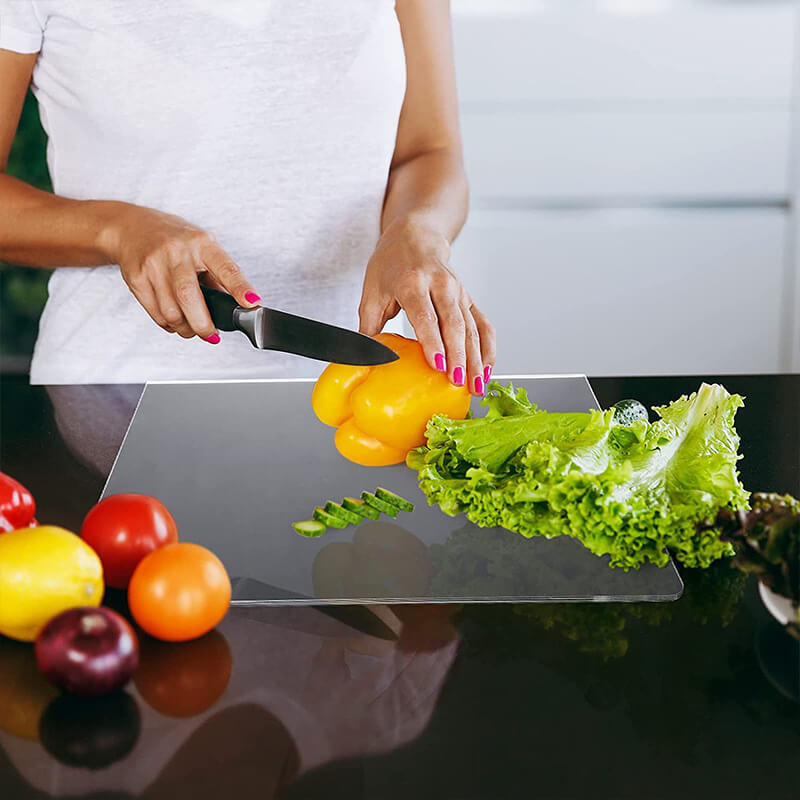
(159, 255)
(428, 191)
(425, 208)
(39, 229)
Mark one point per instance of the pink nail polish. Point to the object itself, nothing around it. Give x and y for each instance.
(458, 376)
(479, 386)
(438, 359)
(252, 297)
(213, 339)
(487, 373)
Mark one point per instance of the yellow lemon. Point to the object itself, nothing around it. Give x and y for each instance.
(44, 571)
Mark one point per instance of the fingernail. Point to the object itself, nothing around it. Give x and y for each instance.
(479, 385)
(487, 373)
(458, 376)
(438, 359)
(213, 339)
(252, 297)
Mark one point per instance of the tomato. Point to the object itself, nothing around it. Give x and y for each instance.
(122, 529)
(179, 592)
(181, 680)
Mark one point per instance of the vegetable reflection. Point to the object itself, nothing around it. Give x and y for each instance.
(90, 732)
(24, 692)
(183, 679)
(382, 561)
(711, 597)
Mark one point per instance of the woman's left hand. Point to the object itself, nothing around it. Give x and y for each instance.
(409, 270)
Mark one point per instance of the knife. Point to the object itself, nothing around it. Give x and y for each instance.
(268, 329)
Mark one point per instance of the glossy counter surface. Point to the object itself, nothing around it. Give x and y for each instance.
(695, 698)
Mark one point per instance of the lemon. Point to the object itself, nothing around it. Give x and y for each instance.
(44, 571)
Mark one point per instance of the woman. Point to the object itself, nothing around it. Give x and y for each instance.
(272, 149)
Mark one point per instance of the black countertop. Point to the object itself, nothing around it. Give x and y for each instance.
(696, 698)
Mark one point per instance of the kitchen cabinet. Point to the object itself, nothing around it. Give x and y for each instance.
(631, 173)
(628, 156)
(560, 51)
(604, 291)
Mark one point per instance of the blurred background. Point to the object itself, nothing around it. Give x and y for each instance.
(23, 291)
(633, 179)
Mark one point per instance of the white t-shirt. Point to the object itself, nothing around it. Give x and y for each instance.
(269, 123)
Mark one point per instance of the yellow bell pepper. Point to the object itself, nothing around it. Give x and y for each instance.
(380, 413)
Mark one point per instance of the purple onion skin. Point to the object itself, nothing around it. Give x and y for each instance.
(88, 651)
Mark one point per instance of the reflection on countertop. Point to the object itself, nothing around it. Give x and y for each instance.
(268, 696)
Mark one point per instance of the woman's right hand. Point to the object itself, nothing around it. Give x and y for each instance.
(160, 256)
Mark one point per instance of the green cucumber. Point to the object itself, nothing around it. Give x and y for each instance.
(361, 508)
(381, 505)
(321, 515)
(310, 528)
(394, 499)
(335, 510)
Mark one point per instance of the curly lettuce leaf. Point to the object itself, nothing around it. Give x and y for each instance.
(631, 492)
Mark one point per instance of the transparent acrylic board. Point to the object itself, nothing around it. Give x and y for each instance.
(238, 462)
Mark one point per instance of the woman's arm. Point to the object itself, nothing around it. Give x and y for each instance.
(424, 209)
(159, 255)
(36, 228)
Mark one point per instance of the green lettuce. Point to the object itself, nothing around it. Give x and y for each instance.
(631, 492)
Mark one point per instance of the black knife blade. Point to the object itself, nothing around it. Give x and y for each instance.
(269, 329)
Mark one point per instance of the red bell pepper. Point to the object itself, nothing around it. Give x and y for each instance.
(17, 506)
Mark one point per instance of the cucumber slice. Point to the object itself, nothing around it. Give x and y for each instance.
(310, 528)
(381, 505)
(361, 508)
(394, 499)
(335, 510)
(321, 515)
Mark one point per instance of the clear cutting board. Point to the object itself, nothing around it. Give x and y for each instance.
(238, 462)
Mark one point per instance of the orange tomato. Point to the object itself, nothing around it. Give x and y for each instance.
(181, 680)
(179, 592)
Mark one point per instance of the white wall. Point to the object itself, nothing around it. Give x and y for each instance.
(632, 182)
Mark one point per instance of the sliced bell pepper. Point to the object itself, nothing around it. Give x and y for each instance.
(380, 413)
(17, 506)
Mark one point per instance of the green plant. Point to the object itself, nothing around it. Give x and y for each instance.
(23, 292)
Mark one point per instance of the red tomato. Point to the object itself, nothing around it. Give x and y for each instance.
(181, 680)
(123, 529)
(179, 592)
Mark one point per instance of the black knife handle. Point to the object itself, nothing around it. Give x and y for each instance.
(221, 307)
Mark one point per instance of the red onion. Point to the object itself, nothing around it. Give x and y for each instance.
(87, 651)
